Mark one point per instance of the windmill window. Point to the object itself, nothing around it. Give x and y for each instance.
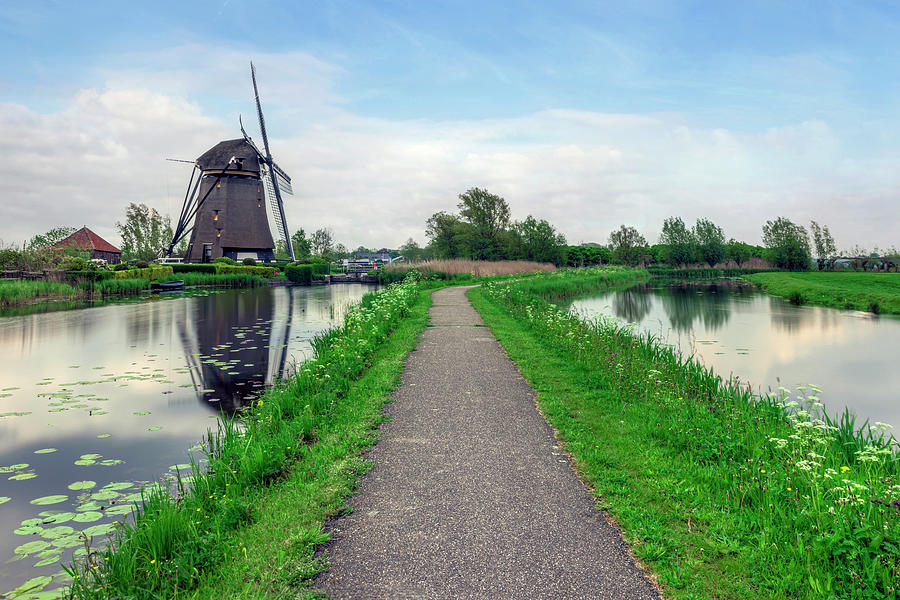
(218, 185)
(258, 203)
(215, 215)
(218, 233)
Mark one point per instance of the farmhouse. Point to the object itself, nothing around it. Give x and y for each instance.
(85, 239)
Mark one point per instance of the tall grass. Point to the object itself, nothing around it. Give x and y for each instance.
(477, 268)
(233, 280)
(873, 292)
(808, 506)
(19, 292)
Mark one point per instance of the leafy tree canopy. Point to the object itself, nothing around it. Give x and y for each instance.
(788, 244)
(57, 234)
(144, 233)
(627, 245)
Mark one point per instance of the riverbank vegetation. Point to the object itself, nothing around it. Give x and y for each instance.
(721, 494)
(460, 269)
(873, 292)
(247, 525)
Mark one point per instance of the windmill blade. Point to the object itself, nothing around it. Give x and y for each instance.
(284, 184)
(272, 181)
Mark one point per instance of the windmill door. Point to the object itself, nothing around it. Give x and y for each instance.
(207, 253)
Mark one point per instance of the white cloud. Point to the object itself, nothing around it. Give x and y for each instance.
(376, 181)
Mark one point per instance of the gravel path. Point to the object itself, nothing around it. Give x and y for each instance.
(470, 495)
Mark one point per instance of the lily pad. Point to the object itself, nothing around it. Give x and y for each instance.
(68, 541)
(182, 466)
(85, 463)
(118, 485)
(91, 456)
(50, 558)
(28, 529)
(154, 428)
(44, 500)
(15, 414)
(4, 499)
(57, 518)
(13, 468)
(119, 509)
(82, 485)
(110, 462)
(142, 412)
(23, 476)
(31, 547)
(33, 585)
(104, 435)
(103, 529)
(45, 451)
(103, 495)
(53, 533)
(88, 517)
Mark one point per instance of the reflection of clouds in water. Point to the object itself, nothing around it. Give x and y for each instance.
(761, 339)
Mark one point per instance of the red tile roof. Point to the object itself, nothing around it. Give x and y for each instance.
(87, 239)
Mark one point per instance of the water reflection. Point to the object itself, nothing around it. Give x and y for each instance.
(135, 384)
(740, 331)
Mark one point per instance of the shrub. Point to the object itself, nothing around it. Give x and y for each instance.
(241, 269)
(302, 274)
(87, 275)
(249, 262)
(141, 264)
(120, 267)
(195, 268)
(150, 273)
(225, 260)
(77, 263)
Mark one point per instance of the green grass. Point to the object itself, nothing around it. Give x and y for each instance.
(873, 292)
(20, 292)
(234, 280)
(720, 494)
(248, 525)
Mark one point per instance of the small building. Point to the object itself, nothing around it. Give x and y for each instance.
(383, 255)
(85, 239)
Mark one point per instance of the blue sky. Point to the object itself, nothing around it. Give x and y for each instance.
(587, 114)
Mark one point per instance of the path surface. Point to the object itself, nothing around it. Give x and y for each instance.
(470, 496)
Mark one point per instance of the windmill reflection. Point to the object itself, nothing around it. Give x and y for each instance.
(235, 344)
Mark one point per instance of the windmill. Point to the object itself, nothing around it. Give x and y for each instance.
(224, 209)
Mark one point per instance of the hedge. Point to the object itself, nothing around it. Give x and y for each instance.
(223, 269)
(150, 273)
(77, 276)
(300, 274)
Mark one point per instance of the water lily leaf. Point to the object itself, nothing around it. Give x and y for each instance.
(27, 522)
(88, 517)
(45, 451)
(90, 456)
(50, 559)
(15, 414)
(104, 435)
(35, 584)
(105, 495)
(31, 547)
(57, 518)
(111, 461)
(89, 506)
(23, 476)
(182, 466)
(28, 530)
(10, 389)
(118, 485)
(119, 509)
(44, 500)
(103, 529)
(68, 541)
(12, 468)
(53, 533)
(4, 499)
(5, 395)
(142, 412)
(82, 485)
(85, 463)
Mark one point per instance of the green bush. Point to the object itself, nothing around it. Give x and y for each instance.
(241, 269)
(120, 267)
(77, 263)
(141, 264)
(149, 273)
(195, 268)
(249, 262)
(302, 274)
(79, 276)
(225, 260)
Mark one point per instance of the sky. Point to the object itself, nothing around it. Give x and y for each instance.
(588, 114)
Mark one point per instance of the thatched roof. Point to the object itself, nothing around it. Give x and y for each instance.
(217, 157)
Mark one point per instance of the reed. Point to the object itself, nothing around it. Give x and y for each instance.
(477, 268)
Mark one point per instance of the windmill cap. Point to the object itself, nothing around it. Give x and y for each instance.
(220, 156)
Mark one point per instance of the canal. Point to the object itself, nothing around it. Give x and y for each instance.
(97, 402)
(767, 342)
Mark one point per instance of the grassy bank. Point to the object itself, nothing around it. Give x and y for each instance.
(873, 292)
(19, 292)
(247, 526)
(720, 494)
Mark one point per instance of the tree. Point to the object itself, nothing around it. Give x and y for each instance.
(627, 245)
(57, 234)
(489, 215)
(301, 244)
(710, 242)
(540, 242)
(322, 241)
(788, 244)
(737, 251)
(679, 241)
(823, 243)
(144, 233)
(411, 250)
(340, 251)
(449, 235)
